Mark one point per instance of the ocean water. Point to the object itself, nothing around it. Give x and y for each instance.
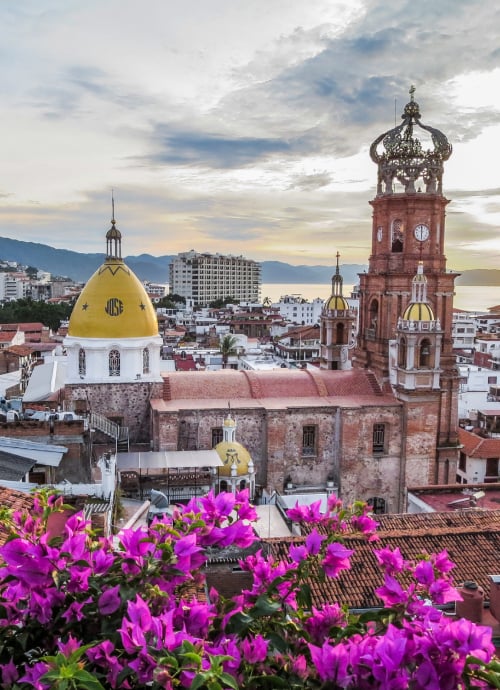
(467, 297)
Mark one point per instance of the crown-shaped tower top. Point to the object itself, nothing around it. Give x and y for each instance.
(403, 158)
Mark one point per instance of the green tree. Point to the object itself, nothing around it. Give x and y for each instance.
(222, 301)
(28, 310)
(170, 301)
(227, 347)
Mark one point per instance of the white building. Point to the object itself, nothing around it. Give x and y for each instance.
(13, 287)
(204, 278)
(463, 330)
(299, 311)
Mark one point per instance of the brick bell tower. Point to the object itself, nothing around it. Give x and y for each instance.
(408, 229)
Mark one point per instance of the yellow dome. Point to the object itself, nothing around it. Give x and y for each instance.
(336, 303)
(418, 311)
(232, 452)
(113, 304)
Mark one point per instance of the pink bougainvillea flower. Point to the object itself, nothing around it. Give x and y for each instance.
(391, 560)
(336, 559)
(109, 601)
(254, 649)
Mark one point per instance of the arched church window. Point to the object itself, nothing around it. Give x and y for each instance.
(373, 314)
(114, 363)
(339, 336)
(82, 362)
(397, 235)
(145, 361)
(402, 353)
(424, 353)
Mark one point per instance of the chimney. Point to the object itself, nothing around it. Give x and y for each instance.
(471, 606)
(495, 596)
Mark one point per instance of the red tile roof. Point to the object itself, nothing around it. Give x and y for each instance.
(472, 540)
(228, 384)
(475, 446)
(16, 500)
(28, 326)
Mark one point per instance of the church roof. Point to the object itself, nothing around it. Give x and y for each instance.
(113, 304)
(229, 384)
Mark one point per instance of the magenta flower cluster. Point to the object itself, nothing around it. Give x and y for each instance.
(78, 611)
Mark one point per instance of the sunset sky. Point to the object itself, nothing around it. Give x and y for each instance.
(240, 127)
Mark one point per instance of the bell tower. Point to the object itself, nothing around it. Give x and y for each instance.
(337, 319)
(408, 227)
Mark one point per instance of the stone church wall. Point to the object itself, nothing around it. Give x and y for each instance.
(125, 403)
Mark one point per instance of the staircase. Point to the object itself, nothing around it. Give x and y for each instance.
(111, 429)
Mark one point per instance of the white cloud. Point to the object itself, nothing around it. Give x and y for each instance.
(237, 126)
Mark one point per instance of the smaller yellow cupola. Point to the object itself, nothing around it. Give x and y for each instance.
(419, 309)
(336, 301)
(233, 454)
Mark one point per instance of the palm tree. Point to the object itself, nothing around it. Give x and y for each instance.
(266, 302)
(227, 347)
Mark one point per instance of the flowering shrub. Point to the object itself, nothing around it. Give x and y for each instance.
(79, 611)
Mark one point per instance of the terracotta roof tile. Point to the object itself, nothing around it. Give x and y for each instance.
(472, 540)
(16, 500)
(277, 383)
(475, 446)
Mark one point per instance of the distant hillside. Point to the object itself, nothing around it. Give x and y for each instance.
(479, 276)
(76, 265)
(80, 267)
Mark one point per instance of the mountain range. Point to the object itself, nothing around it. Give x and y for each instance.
(79, 266)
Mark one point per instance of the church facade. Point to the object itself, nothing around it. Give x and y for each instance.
(377, 416)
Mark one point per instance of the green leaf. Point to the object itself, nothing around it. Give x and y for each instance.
(264, 607)
(229, 681)
(198, 681)
(89, 680)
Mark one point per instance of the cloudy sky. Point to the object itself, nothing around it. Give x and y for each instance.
(240, 126)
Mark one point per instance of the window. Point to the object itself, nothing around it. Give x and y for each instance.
(492, 379)
(82, 362)
(424, 353)
(397, 236)
(145, 361)
(114, 363)
(309, 440)
(462, 462)
(217, 435)
(402, 353)
(378, 438)
(373, 316)
(377, 504)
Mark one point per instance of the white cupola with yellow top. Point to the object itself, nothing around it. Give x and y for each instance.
(113, 330)
(238, 471)
(419, 340)
(336, 327)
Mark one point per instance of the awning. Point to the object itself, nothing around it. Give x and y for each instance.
(167, 460)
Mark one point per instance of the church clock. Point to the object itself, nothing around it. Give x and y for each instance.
(421, 232)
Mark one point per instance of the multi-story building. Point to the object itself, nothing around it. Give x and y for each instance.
(13, 286)
(299, 311)
(204, 278)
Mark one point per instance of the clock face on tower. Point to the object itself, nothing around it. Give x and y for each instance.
(421, 232)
